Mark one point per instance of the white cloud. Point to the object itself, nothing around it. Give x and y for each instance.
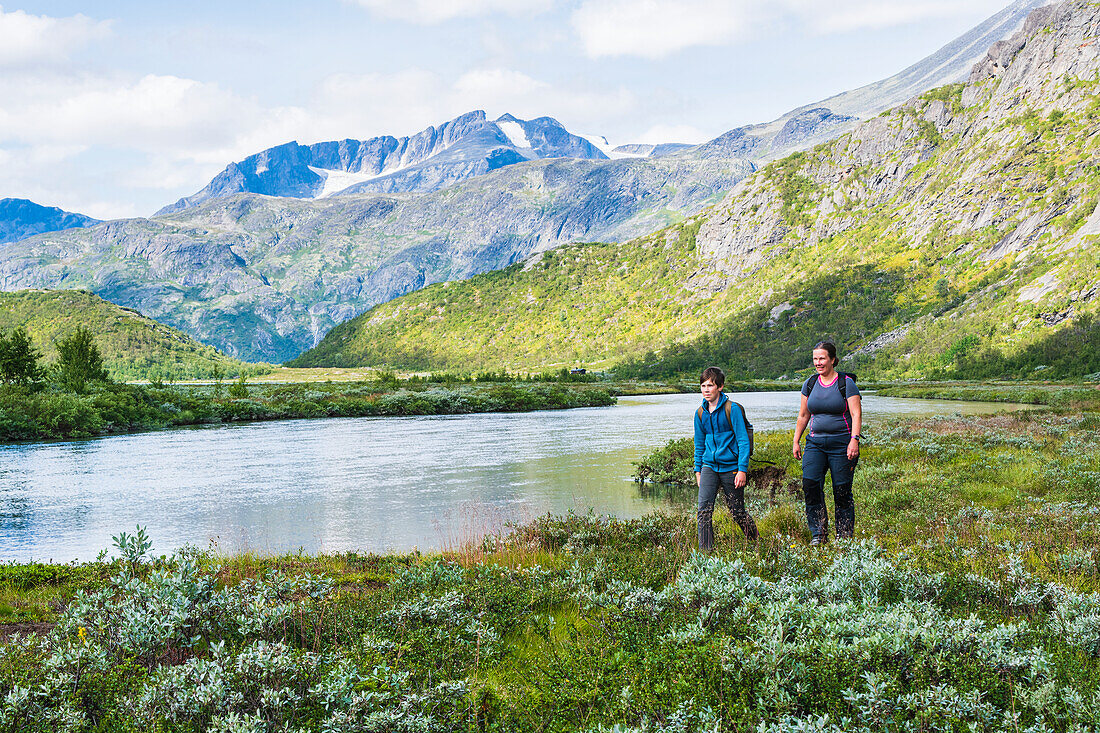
(437, 11)
(33, 39)
(496, 83)
(53, 177)
(155, 113)
(657, 28)
(67, 133)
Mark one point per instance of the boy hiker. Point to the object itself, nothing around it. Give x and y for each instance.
(721, 457)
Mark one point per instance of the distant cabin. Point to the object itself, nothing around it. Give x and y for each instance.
(578, 371)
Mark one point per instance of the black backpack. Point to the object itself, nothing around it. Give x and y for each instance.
(729, 419)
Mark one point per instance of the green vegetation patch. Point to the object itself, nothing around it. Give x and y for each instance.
(28, 414)
(134, 347)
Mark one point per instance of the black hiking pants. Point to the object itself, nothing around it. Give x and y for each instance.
(828, 453)
(710, 481)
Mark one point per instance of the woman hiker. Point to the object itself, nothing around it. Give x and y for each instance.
(832, 410)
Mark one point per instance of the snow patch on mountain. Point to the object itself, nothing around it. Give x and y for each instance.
(601, 143)
(337, 180)
(516, 134)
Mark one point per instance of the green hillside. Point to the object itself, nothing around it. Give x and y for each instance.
(955, 235)
(583, 303)
(133, 346)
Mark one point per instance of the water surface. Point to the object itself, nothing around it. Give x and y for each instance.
(367, 484)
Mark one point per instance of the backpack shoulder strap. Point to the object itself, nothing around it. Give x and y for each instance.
(842, 385)
(728, 407)
(745, 417)
(811, 383)
(699, 412)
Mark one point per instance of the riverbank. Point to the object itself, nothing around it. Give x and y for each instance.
(113, 408)
(969, 597)
(125, 408)
(1053, 394)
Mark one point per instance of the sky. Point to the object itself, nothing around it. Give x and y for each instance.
(117, 108)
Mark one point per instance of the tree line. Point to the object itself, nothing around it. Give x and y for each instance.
(79, 362)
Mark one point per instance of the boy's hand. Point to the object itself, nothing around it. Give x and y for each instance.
(697, 479)
(740, 479)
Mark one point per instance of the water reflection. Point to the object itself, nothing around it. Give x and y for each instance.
(370, 484)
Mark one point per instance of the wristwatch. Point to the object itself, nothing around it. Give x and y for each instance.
(858, 438)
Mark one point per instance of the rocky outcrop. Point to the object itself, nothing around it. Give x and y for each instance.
(638, 150)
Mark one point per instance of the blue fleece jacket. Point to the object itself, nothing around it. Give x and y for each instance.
(719, 445)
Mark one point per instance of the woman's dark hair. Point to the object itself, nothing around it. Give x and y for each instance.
(715, 375)
(829, 347)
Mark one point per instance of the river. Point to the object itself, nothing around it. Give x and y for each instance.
(365, 484)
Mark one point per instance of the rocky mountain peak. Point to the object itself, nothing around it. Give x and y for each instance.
(438, 156)
(21, 218)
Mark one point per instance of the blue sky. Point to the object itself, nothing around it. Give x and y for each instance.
(117, 108)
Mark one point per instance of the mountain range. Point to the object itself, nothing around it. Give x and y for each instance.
(957, 234)
(282, 246)
(467, 146)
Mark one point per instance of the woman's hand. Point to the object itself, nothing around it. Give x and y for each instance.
(853, 449)
(796, 449)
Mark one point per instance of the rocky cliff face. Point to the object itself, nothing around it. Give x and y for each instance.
(467, 146)
(999, 172)
(20, 218)
(265, 278)
(1016, 97)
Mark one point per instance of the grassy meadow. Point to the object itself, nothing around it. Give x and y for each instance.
(969, 601)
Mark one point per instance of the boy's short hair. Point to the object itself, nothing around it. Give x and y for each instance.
(715, 375)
